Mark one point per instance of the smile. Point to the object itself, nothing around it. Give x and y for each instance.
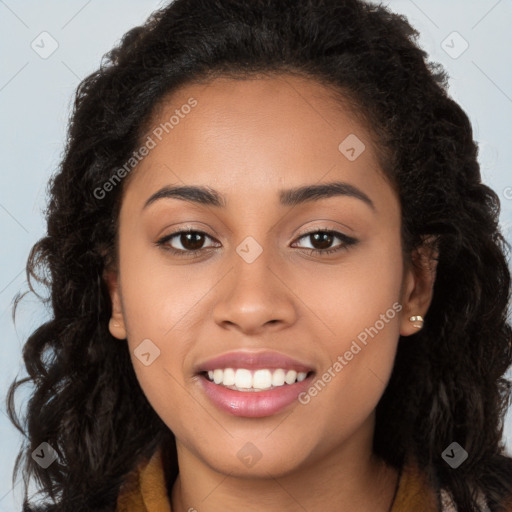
(254, 402)
(243, 379)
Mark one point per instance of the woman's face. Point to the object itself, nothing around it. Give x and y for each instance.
(254, 288)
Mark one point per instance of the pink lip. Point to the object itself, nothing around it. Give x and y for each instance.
(253, 360)
(253, 404)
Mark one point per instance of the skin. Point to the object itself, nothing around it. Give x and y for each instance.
(247, 139)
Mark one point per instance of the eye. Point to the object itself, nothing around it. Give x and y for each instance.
(323, 238)
(192, 242)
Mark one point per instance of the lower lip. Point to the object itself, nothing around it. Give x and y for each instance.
(254, 404)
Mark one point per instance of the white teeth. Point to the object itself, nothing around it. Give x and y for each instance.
(291, 377)
(242, 379)
(301, 376)
(262, 379)
(229, 377)
(278, 378)
(217, 376)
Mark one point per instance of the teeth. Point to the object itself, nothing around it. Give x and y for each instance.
(243, 379)
(217, 376)
(291, 377)
(278, 378)
(246, 380)
(262, 379)
(301, 376)
(228, 378)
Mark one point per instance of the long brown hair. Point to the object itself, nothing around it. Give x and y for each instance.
(446, 386)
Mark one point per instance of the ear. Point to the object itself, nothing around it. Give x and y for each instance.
(116, 324)
(418, 285)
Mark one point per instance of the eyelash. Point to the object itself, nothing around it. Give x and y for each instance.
(347, 241)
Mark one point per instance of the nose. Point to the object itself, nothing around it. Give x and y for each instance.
(255, 296)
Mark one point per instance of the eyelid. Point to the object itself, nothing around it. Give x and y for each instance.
(325, 227)
(345, 239)
(184, 229)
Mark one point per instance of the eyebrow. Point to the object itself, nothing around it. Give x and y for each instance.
(291, 197)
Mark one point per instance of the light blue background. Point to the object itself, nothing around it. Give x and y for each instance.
(36, 95)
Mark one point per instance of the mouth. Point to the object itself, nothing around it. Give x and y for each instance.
(253, 384)
(254, 394)
(246, 380)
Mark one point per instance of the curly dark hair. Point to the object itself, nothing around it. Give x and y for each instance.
(447, 386)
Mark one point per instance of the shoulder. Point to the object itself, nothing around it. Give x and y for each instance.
(416, 492)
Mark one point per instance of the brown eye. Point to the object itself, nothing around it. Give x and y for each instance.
(189, 242)
(322, 240)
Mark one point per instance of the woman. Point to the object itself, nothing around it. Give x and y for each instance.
(200, 355)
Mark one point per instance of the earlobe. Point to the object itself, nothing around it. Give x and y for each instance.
(116, 324)
(117, 329)
(418, 289)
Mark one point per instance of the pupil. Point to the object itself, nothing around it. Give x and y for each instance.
(187, 240)
(327, 240)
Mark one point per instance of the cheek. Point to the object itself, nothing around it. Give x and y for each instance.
(157, 295)
(360, 307)
(158, 304)
(351, 296)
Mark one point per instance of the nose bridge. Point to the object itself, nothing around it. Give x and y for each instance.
(253, 275)
(254, 294)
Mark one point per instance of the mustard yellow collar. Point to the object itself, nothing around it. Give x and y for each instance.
(145, 490)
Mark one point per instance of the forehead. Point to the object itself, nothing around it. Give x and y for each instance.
(251, 136)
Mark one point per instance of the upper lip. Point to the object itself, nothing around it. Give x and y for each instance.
(254, 360)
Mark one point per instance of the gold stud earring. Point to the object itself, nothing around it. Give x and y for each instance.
(417, 321)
